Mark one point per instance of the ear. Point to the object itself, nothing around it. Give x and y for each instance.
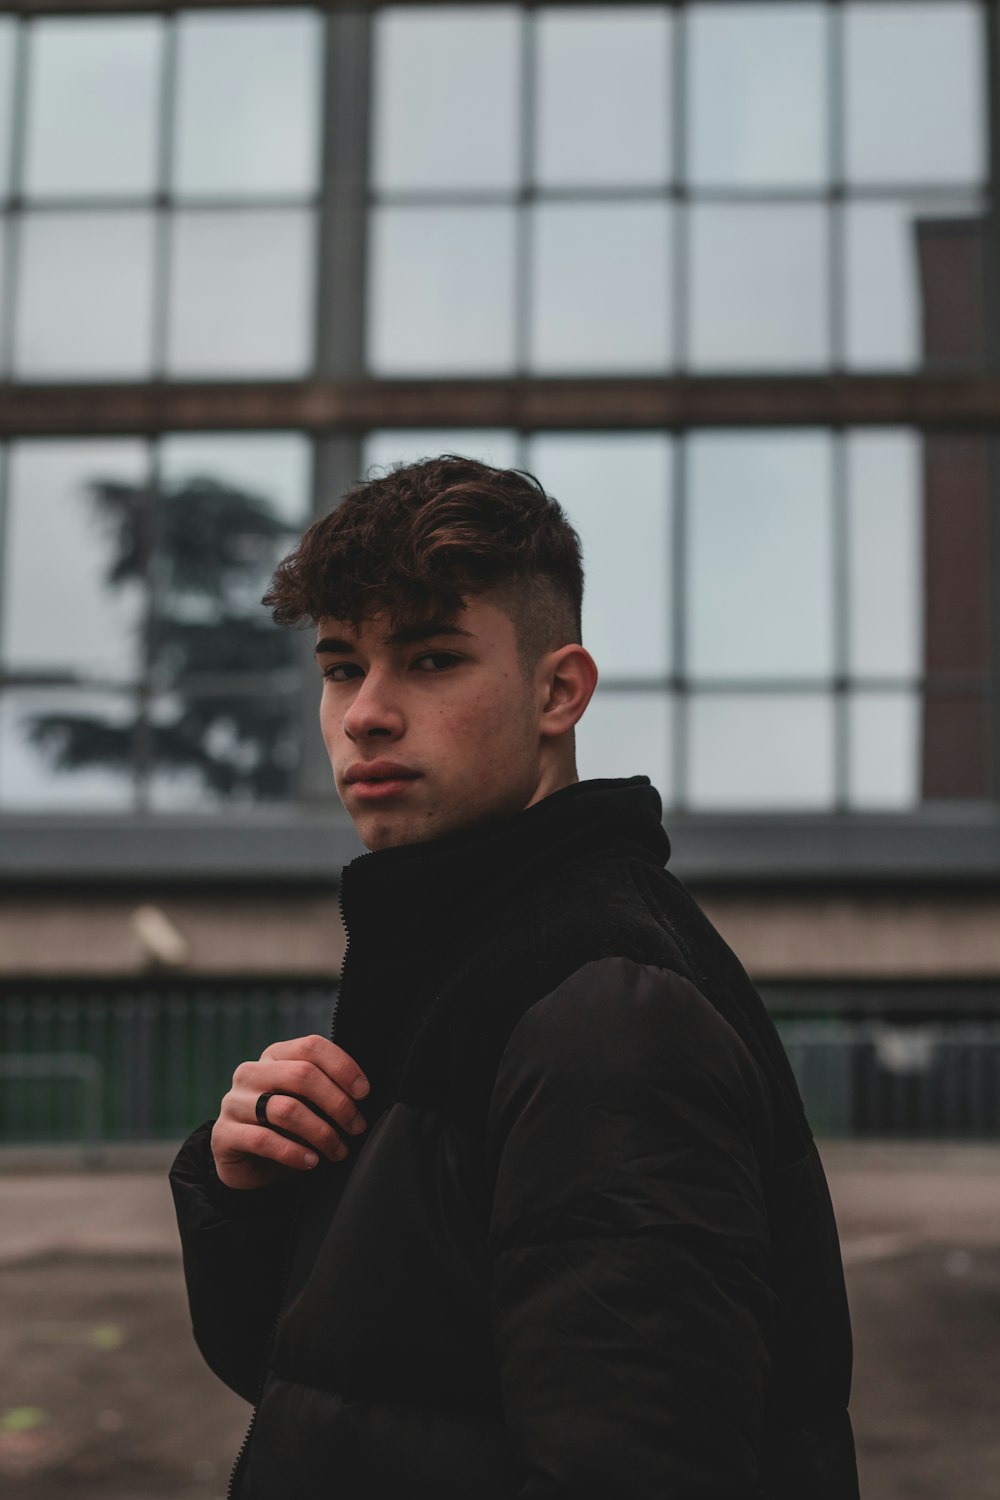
(567, 679)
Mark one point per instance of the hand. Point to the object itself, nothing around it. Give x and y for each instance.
(247, 1154)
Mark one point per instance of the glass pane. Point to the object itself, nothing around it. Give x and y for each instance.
(8, 32)
(758, 105)
(916, 96)
(223, 750)
(390, 446)
(759, 555)
(93, 106)
(232, 505)
(241, 293)
(889, 304)
(627, 734)
(441, 291)
(85, 298)
(884, 754)
(66, 751)
(616, 490)
(601, 288)
(3, 300)
(276, 466)
(447, 97)
(74, 535)
(751, 752)
(759, 287)
(248, 103)
(603, 97)
(885, 554)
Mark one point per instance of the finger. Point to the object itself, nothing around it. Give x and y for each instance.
(352, 1120)
(332, 1060)
(296, 1120)
(301, 1079)
(243, 1141)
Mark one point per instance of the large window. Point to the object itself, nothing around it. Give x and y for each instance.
(246, 253)
(160, 177)
(775, 618)
(637, 189)
(643, 189)
(794, 619)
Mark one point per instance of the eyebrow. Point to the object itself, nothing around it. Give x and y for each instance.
(406, 636)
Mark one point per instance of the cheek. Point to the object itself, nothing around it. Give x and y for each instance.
(329, 724)
(495, 726)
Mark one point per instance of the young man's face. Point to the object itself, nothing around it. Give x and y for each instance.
(429, 732)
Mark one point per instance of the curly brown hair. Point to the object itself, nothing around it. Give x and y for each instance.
(413, 544)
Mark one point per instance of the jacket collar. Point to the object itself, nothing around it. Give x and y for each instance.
(423, 895)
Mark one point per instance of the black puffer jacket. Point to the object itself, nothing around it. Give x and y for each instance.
(585, 1248)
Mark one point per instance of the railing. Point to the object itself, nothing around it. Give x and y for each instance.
(165, 1057)
(74, 1067)
(932, 1078)
(89, 1067)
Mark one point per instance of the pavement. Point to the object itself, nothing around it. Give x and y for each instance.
(103, 1395)
(888, 1197)
(92, 1213)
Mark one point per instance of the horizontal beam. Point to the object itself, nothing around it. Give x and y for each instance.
(278, 932)
(103, 7)
(950, 400)
(83, 7)
(262, 848)
(950, 845)
(816, 937)
(959, 846)
(944, 1000)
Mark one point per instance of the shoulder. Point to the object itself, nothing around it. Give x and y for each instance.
(615, 1012)
(636, 1033)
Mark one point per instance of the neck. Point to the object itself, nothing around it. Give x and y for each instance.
(554, 775)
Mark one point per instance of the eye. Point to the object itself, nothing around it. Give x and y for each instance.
(436, 661)
(341, 671)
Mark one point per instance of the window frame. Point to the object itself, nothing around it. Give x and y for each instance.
(310, 841)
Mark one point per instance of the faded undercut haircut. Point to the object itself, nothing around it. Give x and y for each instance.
(418, 541)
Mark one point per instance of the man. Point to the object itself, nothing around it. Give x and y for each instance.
(544, 1218)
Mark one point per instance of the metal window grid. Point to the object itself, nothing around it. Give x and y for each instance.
(341, 402)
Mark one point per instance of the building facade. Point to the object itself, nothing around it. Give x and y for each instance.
(723, 276)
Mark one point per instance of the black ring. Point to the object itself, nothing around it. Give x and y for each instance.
(260, 1110)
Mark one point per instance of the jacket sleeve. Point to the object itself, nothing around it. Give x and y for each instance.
(234, 1246)
(632, 1311)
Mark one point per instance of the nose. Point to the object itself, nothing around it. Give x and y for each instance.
(374, 711)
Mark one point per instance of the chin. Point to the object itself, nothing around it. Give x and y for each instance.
(391, 833)
(384, 839)
(388, 833)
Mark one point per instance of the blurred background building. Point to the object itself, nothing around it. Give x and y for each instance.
(724, 276)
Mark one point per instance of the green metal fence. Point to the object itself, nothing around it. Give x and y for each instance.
(89, 1066)
(136, 1065)
(924, 1078)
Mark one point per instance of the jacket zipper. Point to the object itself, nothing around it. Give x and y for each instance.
(290, 1251)
(285, 1271)
(343, 962)
(344, 877)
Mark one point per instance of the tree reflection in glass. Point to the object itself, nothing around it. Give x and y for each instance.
(41, 767)
(224, 733)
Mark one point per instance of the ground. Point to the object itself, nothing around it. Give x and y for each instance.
(103, 1395)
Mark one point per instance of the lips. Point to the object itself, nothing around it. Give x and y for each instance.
(379, 781)
(376, 771)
